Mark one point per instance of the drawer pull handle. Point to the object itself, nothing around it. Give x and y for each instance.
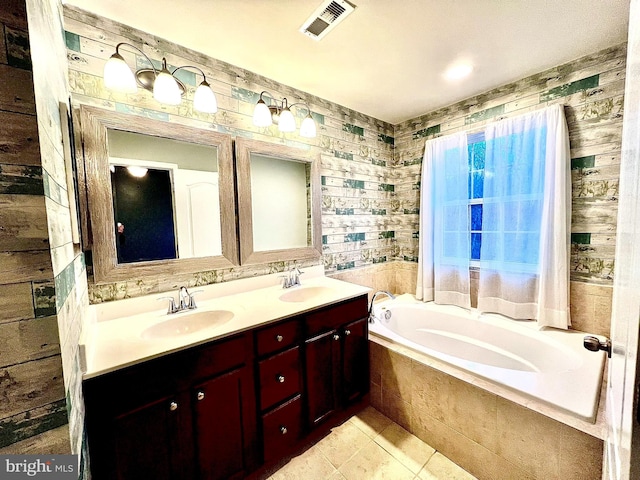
(200, 396)
(347, 332)
(280, 378)
(283, 430)
(279, 338)
(173, 406)
(336, 337)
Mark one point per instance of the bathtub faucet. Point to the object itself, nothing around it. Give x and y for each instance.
(375, 295)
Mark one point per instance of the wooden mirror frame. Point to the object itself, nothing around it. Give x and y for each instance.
(95, 122)
(244, 149)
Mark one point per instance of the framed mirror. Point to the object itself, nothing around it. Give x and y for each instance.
(160, 197)
(279, 201)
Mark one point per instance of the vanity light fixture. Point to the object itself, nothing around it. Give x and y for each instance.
(136, 171)
(279, 112)
(164, 85)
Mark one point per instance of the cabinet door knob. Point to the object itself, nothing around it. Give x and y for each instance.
(283, 430)
(173, 406)
(336, 337)
(200, 396)
(347, 332)
(279, 338)
(280, 378)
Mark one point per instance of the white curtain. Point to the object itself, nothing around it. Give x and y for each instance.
(526, 216)
(443, 261)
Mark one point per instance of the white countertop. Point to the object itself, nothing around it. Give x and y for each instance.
(115, 341)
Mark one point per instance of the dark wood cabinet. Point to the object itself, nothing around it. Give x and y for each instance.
(219, 410)
(185, 415)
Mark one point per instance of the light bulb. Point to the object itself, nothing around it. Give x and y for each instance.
(204, 99)
(137, 171)
(165, 88)
(261, 114)
(287, 123)
(118, 76)
(308, 127)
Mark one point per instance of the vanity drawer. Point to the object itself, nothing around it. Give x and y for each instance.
(278, 337)
(279, 377)
(282, 428)
(332, 317)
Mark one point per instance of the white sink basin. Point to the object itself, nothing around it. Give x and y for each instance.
(303, 294)
(187, 323)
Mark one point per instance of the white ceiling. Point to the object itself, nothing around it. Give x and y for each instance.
(387, 59)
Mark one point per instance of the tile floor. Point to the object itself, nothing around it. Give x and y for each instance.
(368, 446)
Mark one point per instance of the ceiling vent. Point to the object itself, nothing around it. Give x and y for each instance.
(326, 17)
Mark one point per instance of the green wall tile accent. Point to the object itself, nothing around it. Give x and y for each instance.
(414, 161)
(347, 127)
(245, 95)
(570, 88)
(145, 112)
(379, 259)
(21, 180)
(581, 238)
(425, 132)
(53, 190)
(73, 41)
(350, 183)
(185, 76)
(343, 155)
(386, 139)
(484, 114)
(387, 234)
(44, 298)
(64, 281)
(410, 258)
(415, 235)
(317, 117)
(411, 211)
(354, 237)
(18, 53)
(324, 239)
(379, 163)
(344, 211)
(33, 422)
(378, 211)
(346, 265)
(323, 180)
(583, 162)
(416, 186)
(386, 187)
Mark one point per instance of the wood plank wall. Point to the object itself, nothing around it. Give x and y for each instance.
(32, 396)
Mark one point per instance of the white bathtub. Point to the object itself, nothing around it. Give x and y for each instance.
(549, 365)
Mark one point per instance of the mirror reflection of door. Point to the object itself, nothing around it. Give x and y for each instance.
(185, 205)
(143, 209)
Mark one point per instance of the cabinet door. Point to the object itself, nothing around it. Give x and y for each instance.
(224, 422)
(322, 354)
(150, 441)
(355, 362)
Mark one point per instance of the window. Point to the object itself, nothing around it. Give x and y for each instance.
(477, 149)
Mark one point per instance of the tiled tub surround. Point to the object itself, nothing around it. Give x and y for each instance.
(549, 365)
(490, 431)
(117, 340)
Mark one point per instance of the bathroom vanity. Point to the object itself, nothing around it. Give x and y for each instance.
(220, 402)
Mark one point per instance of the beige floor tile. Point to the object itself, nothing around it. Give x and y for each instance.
(342, 443)
(440, 467)
(374, 463)
(412, 452)
(336, 476)
(370, 421)
(310, 465)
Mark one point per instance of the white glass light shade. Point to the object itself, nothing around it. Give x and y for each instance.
(137, 171)
(165, 89)
(287, 123)
(308, 128)
(118, 76)
(204, 100)
(261, 115)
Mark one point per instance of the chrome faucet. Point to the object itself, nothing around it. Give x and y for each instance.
(375, 295)
(186, 301)
(292, 278)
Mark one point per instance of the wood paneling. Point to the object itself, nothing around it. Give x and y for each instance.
(16, 302)
(16, 88)
(24, 266)
(19, 139)
(27, 340)
(24, 223)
